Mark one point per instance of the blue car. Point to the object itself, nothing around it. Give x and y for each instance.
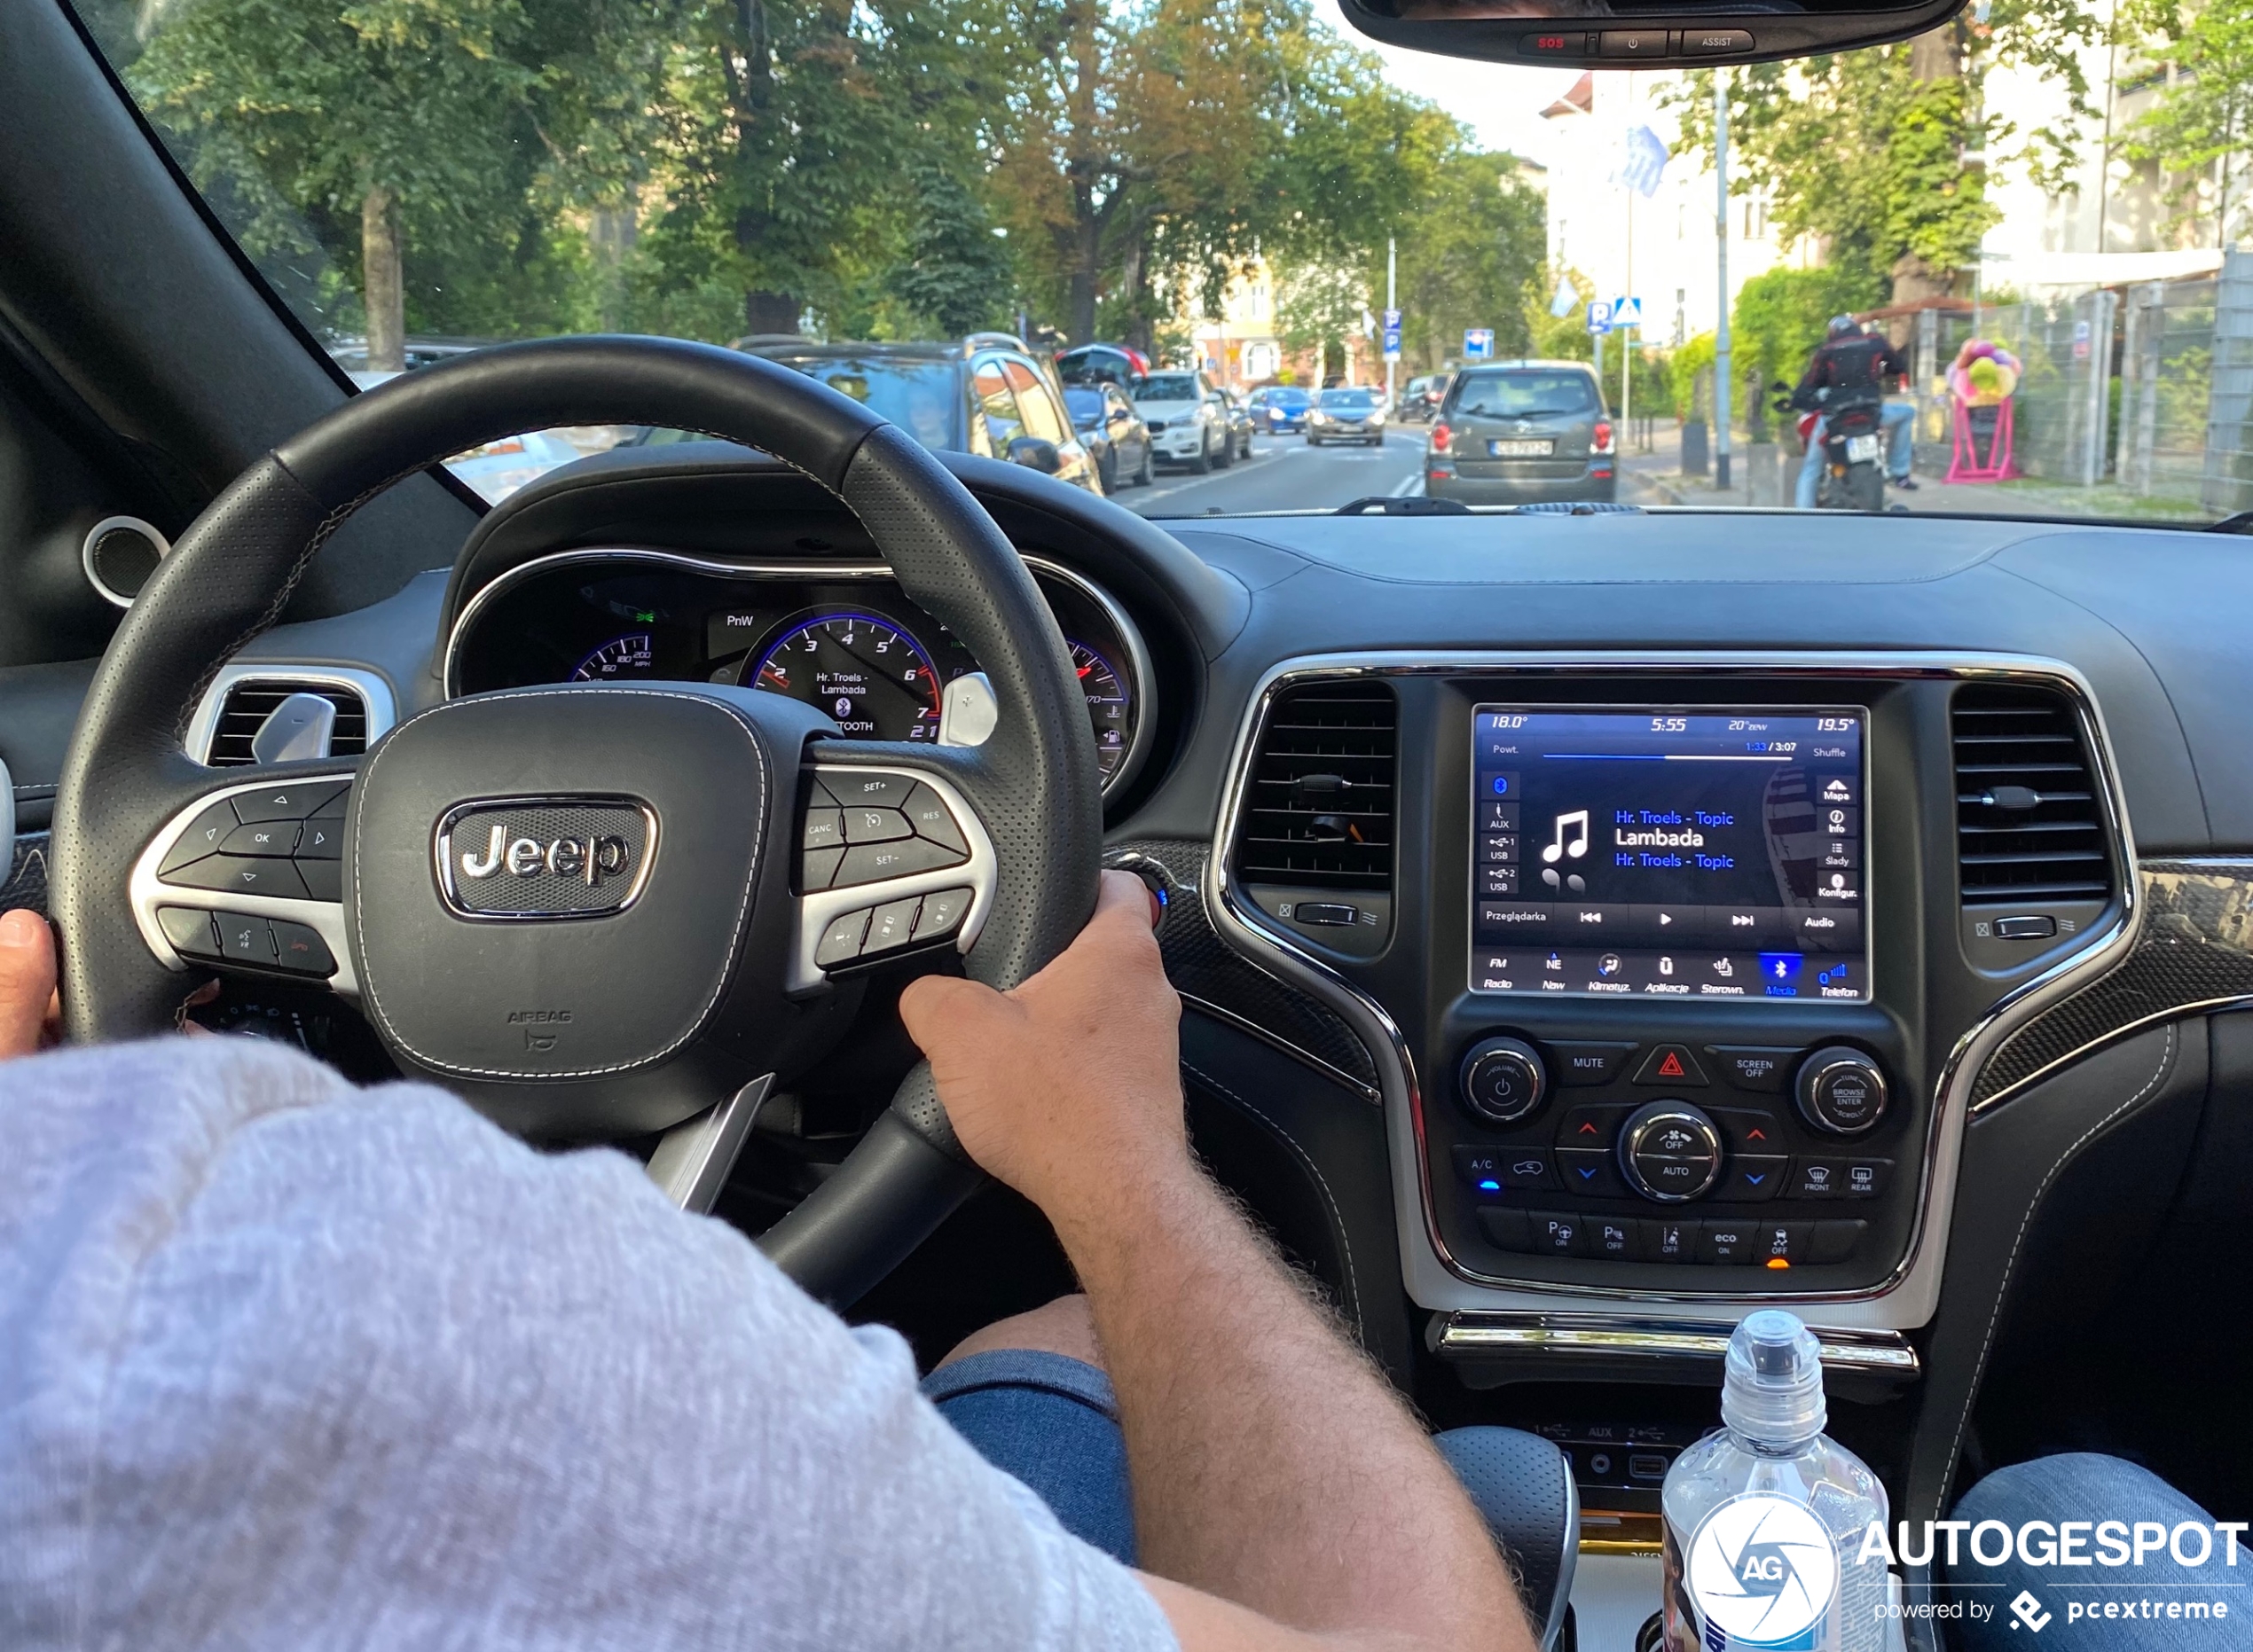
(1281, 409)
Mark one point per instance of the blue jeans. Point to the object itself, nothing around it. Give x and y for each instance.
(2065, 1605)
(1896, 420)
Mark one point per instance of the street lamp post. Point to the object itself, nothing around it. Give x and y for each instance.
(1720, 243)
(1392, 303)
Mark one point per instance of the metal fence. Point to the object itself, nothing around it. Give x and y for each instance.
(2166, 386)
(2226, 479)
(2062, 416)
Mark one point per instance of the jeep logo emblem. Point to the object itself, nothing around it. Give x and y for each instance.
(544, 857)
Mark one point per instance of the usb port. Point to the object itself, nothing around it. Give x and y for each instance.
(1648, 1466)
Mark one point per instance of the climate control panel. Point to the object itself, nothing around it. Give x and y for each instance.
(1766, 1157)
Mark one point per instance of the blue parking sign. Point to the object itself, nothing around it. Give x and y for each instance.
(1478, 344)
(1599, 315)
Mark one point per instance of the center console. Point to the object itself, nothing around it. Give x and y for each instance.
(1676, 960)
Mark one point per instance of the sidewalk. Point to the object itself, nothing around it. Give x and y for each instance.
(1655, 478)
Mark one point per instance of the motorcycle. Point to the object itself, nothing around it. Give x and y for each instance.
(1853, 475)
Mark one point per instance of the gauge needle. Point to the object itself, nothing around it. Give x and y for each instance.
(1085, 669)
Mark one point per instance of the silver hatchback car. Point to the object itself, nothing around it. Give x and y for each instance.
(1522, 433)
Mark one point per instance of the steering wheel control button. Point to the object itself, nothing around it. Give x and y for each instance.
(1753, 1177)
(824, 829)
(892, 925)
(942, 914)
(267, 839)
(322, 838)
(1589, 1170)
(190, 930)
(242, 874)
(872, 863)
(1753, 1067)
(928, 813)
(1587, 1063)
(323, 879)
(869, 788)
(818, 868)
(876, 825)
(245, 940)
(1504, 1081)
(204, 836)
(300, 950)
(1670, 1064)
(1842, 1091)
(840, 943)
(1671, 1151)
(286, 802)
(817, 796)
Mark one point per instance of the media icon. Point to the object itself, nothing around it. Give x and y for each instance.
(1577, 822)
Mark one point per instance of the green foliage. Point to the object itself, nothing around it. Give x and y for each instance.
(957, 271)
(1474, 250)
(1778, 321)
(2200, 124)
(1685, 364)
(1559, 338)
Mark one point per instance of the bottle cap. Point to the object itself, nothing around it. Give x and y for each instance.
(1771, 1390)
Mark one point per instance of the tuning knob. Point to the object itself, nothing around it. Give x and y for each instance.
(1842, 1091)
(1504, 1081)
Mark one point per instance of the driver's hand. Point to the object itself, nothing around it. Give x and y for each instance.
(30, 1009)
(1068, 1087)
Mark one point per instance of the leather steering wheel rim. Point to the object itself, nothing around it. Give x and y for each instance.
(1034, 784)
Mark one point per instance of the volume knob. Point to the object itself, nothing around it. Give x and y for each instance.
(1504, 1081)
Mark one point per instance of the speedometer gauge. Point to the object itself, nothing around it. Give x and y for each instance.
(872, 678)
(1110, 705)
(631, 655)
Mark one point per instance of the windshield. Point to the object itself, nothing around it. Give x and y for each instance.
(1084, 406)
(1351, 401)
(2024, 230)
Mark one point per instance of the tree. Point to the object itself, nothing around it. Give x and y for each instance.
(1471, 252)
(2199, 128)
(1781, 318)
(1319, 308)
(957, 272)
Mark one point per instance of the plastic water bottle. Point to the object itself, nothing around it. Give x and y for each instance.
(1765, 1517)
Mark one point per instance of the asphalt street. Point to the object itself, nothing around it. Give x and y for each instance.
(1284, 473)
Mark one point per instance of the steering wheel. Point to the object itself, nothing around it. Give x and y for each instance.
(589, 910)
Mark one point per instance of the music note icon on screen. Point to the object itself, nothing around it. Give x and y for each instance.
(1578, 847)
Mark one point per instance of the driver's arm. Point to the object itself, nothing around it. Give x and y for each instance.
(30, 1013)
(1283, 1496)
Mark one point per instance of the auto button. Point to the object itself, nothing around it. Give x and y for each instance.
(1671, 1151)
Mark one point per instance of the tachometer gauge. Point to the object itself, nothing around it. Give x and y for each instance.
(1110, 705)
(631, 655)
(872, 678)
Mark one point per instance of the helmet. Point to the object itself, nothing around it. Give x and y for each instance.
(1841, 325)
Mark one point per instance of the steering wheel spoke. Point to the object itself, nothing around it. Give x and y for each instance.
(891, 860)
(249, 877)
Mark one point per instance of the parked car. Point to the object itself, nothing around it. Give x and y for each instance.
(981, 395)
(1096, 363)
(1188, 420)
(1242, 425)
(1281, 410)
(499, 469)
(1347, 413)
(1111, 429)
(1421, 397)
(1521, 433)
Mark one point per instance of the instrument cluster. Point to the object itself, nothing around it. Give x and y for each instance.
(846, 639)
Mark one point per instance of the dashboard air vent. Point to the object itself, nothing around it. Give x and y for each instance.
(2029, 826)
(249, 703)
(1319, 812)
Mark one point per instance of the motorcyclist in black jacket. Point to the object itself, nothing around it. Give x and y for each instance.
(1849, 362)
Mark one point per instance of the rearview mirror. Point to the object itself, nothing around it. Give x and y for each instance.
(1623, 34)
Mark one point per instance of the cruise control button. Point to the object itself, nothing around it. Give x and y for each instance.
(1818, 1179)
(928, 814)
(240, 875)
(1670, 1242)
(1753, 1067)
(857, 789)
(840, 941)
(1588, 1063)
(301, 950)
(824, 828)
(1752, 1176)
(872, 863)
(244, 939)
(286, 802)
(1506, 1229)
(893, 925)
(818, 868)
(1726, 1242)
(1670, 1064)
(876, 825)
(333, 809)
(190, 931)
(1589, 1171)
(263, 838)
(323, 879)
(203, 837)
(942, 914)
(322, 839)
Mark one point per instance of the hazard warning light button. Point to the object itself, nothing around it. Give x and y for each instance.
(1670, 1064)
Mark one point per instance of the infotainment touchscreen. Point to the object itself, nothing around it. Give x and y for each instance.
(1686, 853)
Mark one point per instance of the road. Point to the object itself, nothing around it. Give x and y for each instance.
(1284, 473)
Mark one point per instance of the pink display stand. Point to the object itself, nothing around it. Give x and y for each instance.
(1966, 463)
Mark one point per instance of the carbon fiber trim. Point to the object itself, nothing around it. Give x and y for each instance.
(1202, 967)
(2195, 951)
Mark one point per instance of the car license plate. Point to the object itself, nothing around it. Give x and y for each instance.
(1524, 449)
(1861, 448)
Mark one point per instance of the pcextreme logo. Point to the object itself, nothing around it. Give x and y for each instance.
(1763, 1569)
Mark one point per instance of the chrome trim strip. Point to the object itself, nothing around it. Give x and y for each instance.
(325, 917)
(442, 855)
(1434, 1277)
(1567, 1561)
(1138, 662)
(375, 695)
(1467, 1334)
(815, 910)
(697, 1156)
